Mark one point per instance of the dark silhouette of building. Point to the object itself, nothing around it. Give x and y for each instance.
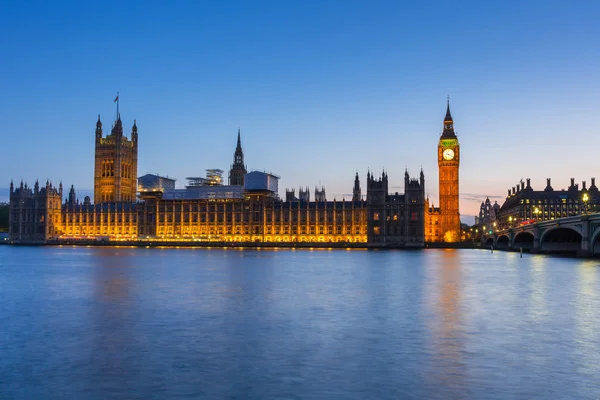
(395, 220)
(238, 169)
(356, 195)
(34, 214)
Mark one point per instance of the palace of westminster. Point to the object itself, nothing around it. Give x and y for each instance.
(126, 208)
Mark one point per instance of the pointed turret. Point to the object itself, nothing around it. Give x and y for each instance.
(134, 132)
(238, 169)
(356, 193)
(12, 186)
(98, 129)
(448, 116)
(448, 124)
(117, 129)
(72, 196)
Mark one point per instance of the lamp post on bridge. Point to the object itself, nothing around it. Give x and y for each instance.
(536, 211)
(585, 199)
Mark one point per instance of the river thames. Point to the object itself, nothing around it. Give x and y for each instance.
(136, 323)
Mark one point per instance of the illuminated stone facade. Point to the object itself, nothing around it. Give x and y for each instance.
(246, 214)
(115, 167)
(442, 224)
(258, 217)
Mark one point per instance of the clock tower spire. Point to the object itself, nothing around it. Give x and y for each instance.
(448, 165)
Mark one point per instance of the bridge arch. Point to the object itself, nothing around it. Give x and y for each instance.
(561, 239)
(503, 242)
(489, 242)
(523, 240)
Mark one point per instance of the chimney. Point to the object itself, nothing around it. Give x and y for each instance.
(508, 194)
(583, 185)
(522, 185)
(593, 182)
(548, 182)
(528, 183)
(572, 182)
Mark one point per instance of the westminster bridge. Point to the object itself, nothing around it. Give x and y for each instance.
(578, 235)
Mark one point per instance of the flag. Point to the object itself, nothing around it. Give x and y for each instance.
(116, 99)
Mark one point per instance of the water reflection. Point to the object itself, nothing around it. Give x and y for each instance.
(538, 289)
(208, 323)
(587, 322)
(444, 290)
(112, 321)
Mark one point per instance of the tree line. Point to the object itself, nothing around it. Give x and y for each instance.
(3, 217)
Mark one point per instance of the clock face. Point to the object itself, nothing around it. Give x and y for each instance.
(448, 154)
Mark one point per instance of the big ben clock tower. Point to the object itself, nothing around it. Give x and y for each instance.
(448, 163)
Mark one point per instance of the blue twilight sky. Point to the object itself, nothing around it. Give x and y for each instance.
(320, 89)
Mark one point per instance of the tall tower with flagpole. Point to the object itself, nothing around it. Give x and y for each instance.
(115, 166)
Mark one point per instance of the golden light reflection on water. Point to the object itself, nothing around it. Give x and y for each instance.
(114, 333)
(444, 288)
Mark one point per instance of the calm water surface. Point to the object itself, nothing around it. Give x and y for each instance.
(121, 323)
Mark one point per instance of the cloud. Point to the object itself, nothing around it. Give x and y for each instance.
(480, 197)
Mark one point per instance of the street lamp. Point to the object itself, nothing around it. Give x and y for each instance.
(536, 211)
(585, 200)
(510, 220)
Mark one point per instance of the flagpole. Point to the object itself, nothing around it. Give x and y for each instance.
(117, 105)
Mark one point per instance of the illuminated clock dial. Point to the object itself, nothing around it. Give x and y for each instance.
(448, 154)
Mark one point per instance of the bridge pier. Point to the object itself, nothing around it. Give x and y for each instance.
(536, 239)
(585, 236)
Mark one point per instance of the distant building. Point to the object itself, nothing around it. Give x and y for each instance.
(524, 204)
(151, 182)
(488, 213)
(261, 181)
(214, 177)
